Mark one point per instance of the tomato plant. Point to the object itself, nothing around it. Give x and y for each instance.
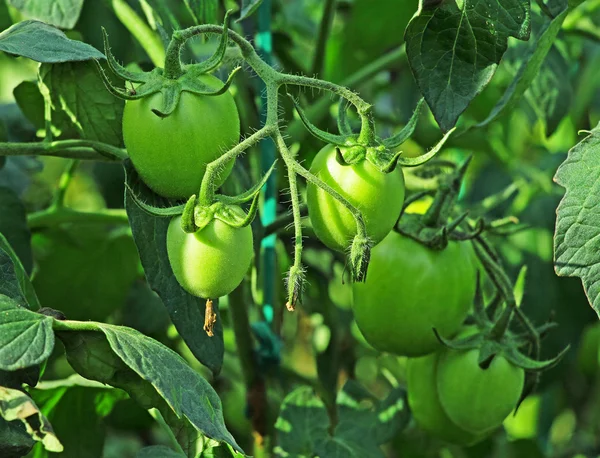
(378, 196)
(171, 153)
(412, 289)
(320, 228)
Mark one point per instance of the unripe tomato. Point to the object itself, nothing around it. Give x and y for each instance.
(378, 196)
(170, 154)
(477, 399)
(425, 404)
(211, 262)
(411, 289)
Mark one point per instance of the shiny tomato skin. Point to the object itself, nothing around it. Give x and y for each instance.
(170, 154)
(425, 404)
(411, 289)
(212, 262)
(477, 400)
(378, 196)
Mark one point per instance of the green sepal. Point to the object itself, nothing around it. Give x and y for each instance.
(188, 224)
(350, 155)
(420, 160)
(191, 83)
(203, 216)
(155, 211)
(235, 216)
(215, 60)
(152, 86)
(395, 141)
(343, 122)
(360, 256)
(487, 351)
(524, 362)
(338, 140)
(464, 343)
(118, 69)
(232, 215)
(171, 93)
(250, 193)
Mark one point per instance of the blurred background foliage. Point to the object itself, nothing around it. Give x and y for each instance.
(321, 344)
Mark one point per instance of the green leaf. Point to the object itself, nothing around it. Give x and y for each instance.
(186, 311)
(577, 234)
(355, 45)
(17, 406)
(76, 407)
(454, 48)
(249, 7)
(112, 360)
(14, 281)
(365, 423)
(203, 11)
(44, 43)
(158, 451)
(59, 13)
(26, 337)
(528, 70)
(14, 440)
(551, 92)
(84, 270)
(31, 102)
(163, 9)
(77, 89)
(13, 225)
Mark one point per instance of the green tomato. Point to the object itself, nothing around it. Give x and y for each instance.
(477, 399)
(211, 262)
(171, 153)
(425, 404)
(410, 290)
(378, 196)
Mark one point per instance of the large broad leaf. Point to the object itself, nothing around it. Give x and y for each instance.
(44, 43)
(59, 13)
(17, 406)
(77, 89)
(31, 102)
(577, 236)
(115, 354)
(26, 337)
(365, 423)
(13, 225)
(84, 270)
(186, 311)
(454, 48)
(76, 407)
(528, 70)
(551, 92)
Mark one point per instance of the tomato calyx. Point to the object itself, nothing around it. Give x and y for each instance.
(168, 81)
(195, 216)
(493, 337)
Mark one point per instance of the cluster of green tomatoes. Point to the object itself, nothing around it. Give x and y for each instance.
(410, 288)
